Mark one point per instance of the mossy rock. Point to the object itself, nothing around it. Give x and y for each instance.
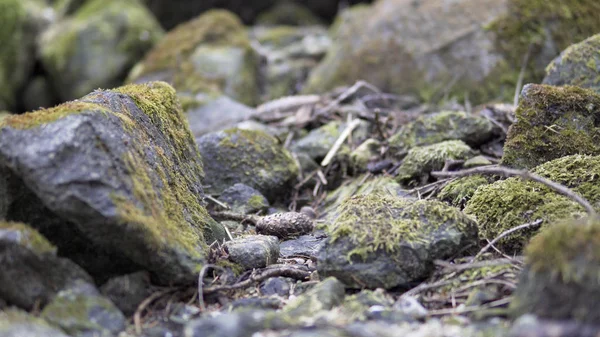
(422, 160)
(204, 58)
(383, 241)
(388, 45)
(542, 29)
(357, 307)
(442, 126)
(16, 323)
(22, 20)
(125, 173)
(249, 157)
(290, 53)
(459, 191)
(361, 185)
(578, 65)
(512, 202)
(319, 141)
(553, 122)
(326, 295)
(560, 279)
(82, 311)
(288, 13)
(97, 45)
(32, 274)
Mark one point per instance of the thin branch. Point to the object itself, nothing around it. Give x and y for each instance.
(137, 317)
(338, 143)
(504, 234)
(201, 284)
(508, 172)
(521, 76)
(261, 276)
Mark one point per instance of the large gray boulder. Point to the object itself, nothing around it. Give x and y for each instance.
(119, 170)
(97, 45)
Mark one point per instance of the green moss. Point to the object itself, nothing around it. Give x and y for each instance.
(538, 24)
(512, 202)
(553, 122)
(257, 202)
(34, 119)
(577, 65)
(459, 191)
(14, 37)
(439, 127)
(236, 268)
(422, 160)
(30, 238)
(382, 222)
(560, 249)
(288, 13)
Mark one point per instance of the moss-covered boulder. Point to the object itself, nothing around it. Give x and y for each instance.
(22, 20)
(97, 45)
(512, 202)
(446, 125)
(249, 157)
(422, 160)
(16, 323)
(290, 53)
(204, 58)
(560, 280)
(32, 274)
(383, 241)
(553, 122)
(578, 65)
(542, 29)
(459, 191)
(426, 48)
(119, 170)
(82, 311)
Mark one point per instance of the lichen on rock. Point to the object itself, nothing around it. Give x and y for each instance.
(125, 170)
(385, 241)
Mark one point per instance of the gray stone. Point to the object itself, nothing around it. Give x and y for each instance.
(235, 324)
(382, 241)
(286, 225)
(217, 114)
(305, 245)
(275, 286)
(82, 312)
(324, 296)
(127, 291)
(253, 251)
(119, 170)
(32, 274)
(249, 157)
(97, 45)
(244, 199)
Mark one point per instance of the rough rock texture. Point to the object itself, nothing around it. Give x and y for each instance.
(512, 202)
(204, 58)
(305, 245)
(22, 20)
(285, 225)
(127, 291)
(378, 240)
(249, 157)
(82, 312)
(122, 169)
(14, 323)
(446, 125)
(560, 280)
(553, 122)
(96, 47)
(254, 251)
(422, 160)
(31, 272)
(244, 199)
(578, 65)
(426, 47)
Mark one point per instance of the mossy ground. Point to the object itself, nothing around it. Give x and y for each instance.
(459, 191)
(512, 202)
(382, 222)
(553, 122)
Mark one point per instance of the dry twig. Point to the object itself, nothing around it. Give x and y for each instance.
(505, 233)
(261, 276)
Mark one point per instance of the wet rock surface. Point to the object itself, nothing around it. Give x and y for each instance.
(257, 251)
